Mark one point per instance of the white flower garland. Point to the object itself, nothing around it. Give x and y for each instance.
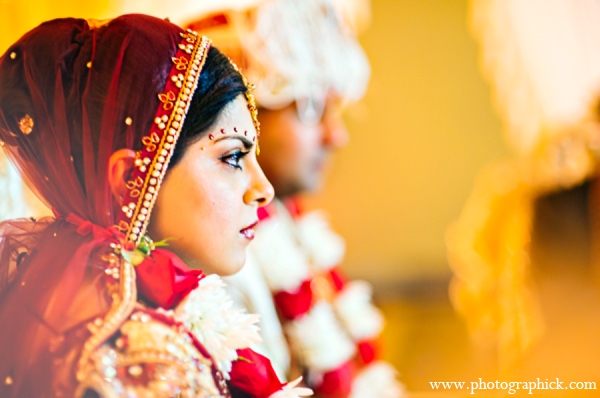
(284, 265)
(378, 379)
(326, 248)
(209, 314)
(319, 340)
(324, 338)
(361, 318)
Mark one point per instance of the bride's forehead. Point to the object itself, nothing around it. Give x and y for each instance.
(236, 114)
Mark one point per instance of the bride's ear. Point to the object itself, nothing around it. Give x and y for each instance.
(120, 166)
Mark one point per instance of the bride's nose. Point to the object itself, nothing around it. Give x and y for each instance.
(260, 189)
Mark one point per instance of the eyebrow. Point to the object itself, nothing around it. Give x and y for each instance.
(247, 143)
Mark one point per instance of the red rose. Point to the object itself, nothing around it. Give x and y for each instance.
(293, 304)
(163, 279)
(336, 383)
(338, 279)
(368, 351)
(254, 374)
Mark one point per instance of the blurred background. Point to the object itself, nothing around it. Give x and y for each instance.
(466, 193)
(418, 139)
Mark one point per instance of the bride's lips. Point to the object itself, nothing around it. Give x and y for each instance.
(248, 232)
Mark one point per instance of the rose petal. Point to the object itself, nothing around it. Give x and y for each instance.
(336, 383)
(163, 279)
(293, 304)
(254, 374)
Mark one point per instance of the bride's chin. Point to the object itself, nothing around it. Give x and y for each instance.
(232, 268)
(228, 268)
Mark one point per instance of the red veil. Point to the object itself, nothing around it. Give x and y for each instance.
(71, 93)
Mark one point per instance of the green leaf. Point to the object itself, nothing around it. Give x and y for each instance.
(144, 247)
(163, 243)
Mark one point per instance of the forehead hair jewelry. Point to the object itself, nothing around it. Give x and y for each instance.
(152, 161)
(251, 103)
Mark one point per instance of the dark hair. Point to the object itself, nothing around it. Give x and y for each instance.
(218, 85)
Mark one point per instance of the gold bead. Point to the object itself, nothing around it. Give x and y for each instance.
(89, 65)
(8, 381)
(26, 124)
(13, 55)
(128, 121)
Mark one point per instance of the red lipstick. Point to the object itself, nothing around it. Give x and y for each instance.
(248, 232)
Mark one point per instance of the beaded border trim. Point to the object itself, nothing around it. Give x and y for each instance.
(152, 161)
(146, 179)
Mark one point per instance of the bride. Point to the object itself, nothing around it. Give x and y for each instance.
(142, 138)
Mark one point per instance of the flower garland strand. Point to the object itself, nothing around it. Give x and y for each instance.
(332, 324)
(208, 313)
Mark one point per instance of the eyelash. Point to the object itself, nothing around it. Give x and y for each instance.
(234, 158)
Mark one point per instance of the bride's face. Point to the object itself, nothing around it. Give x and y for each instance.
(207, 203)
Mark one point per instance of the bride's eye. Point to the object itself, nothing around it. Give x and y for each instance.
(234, 159)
